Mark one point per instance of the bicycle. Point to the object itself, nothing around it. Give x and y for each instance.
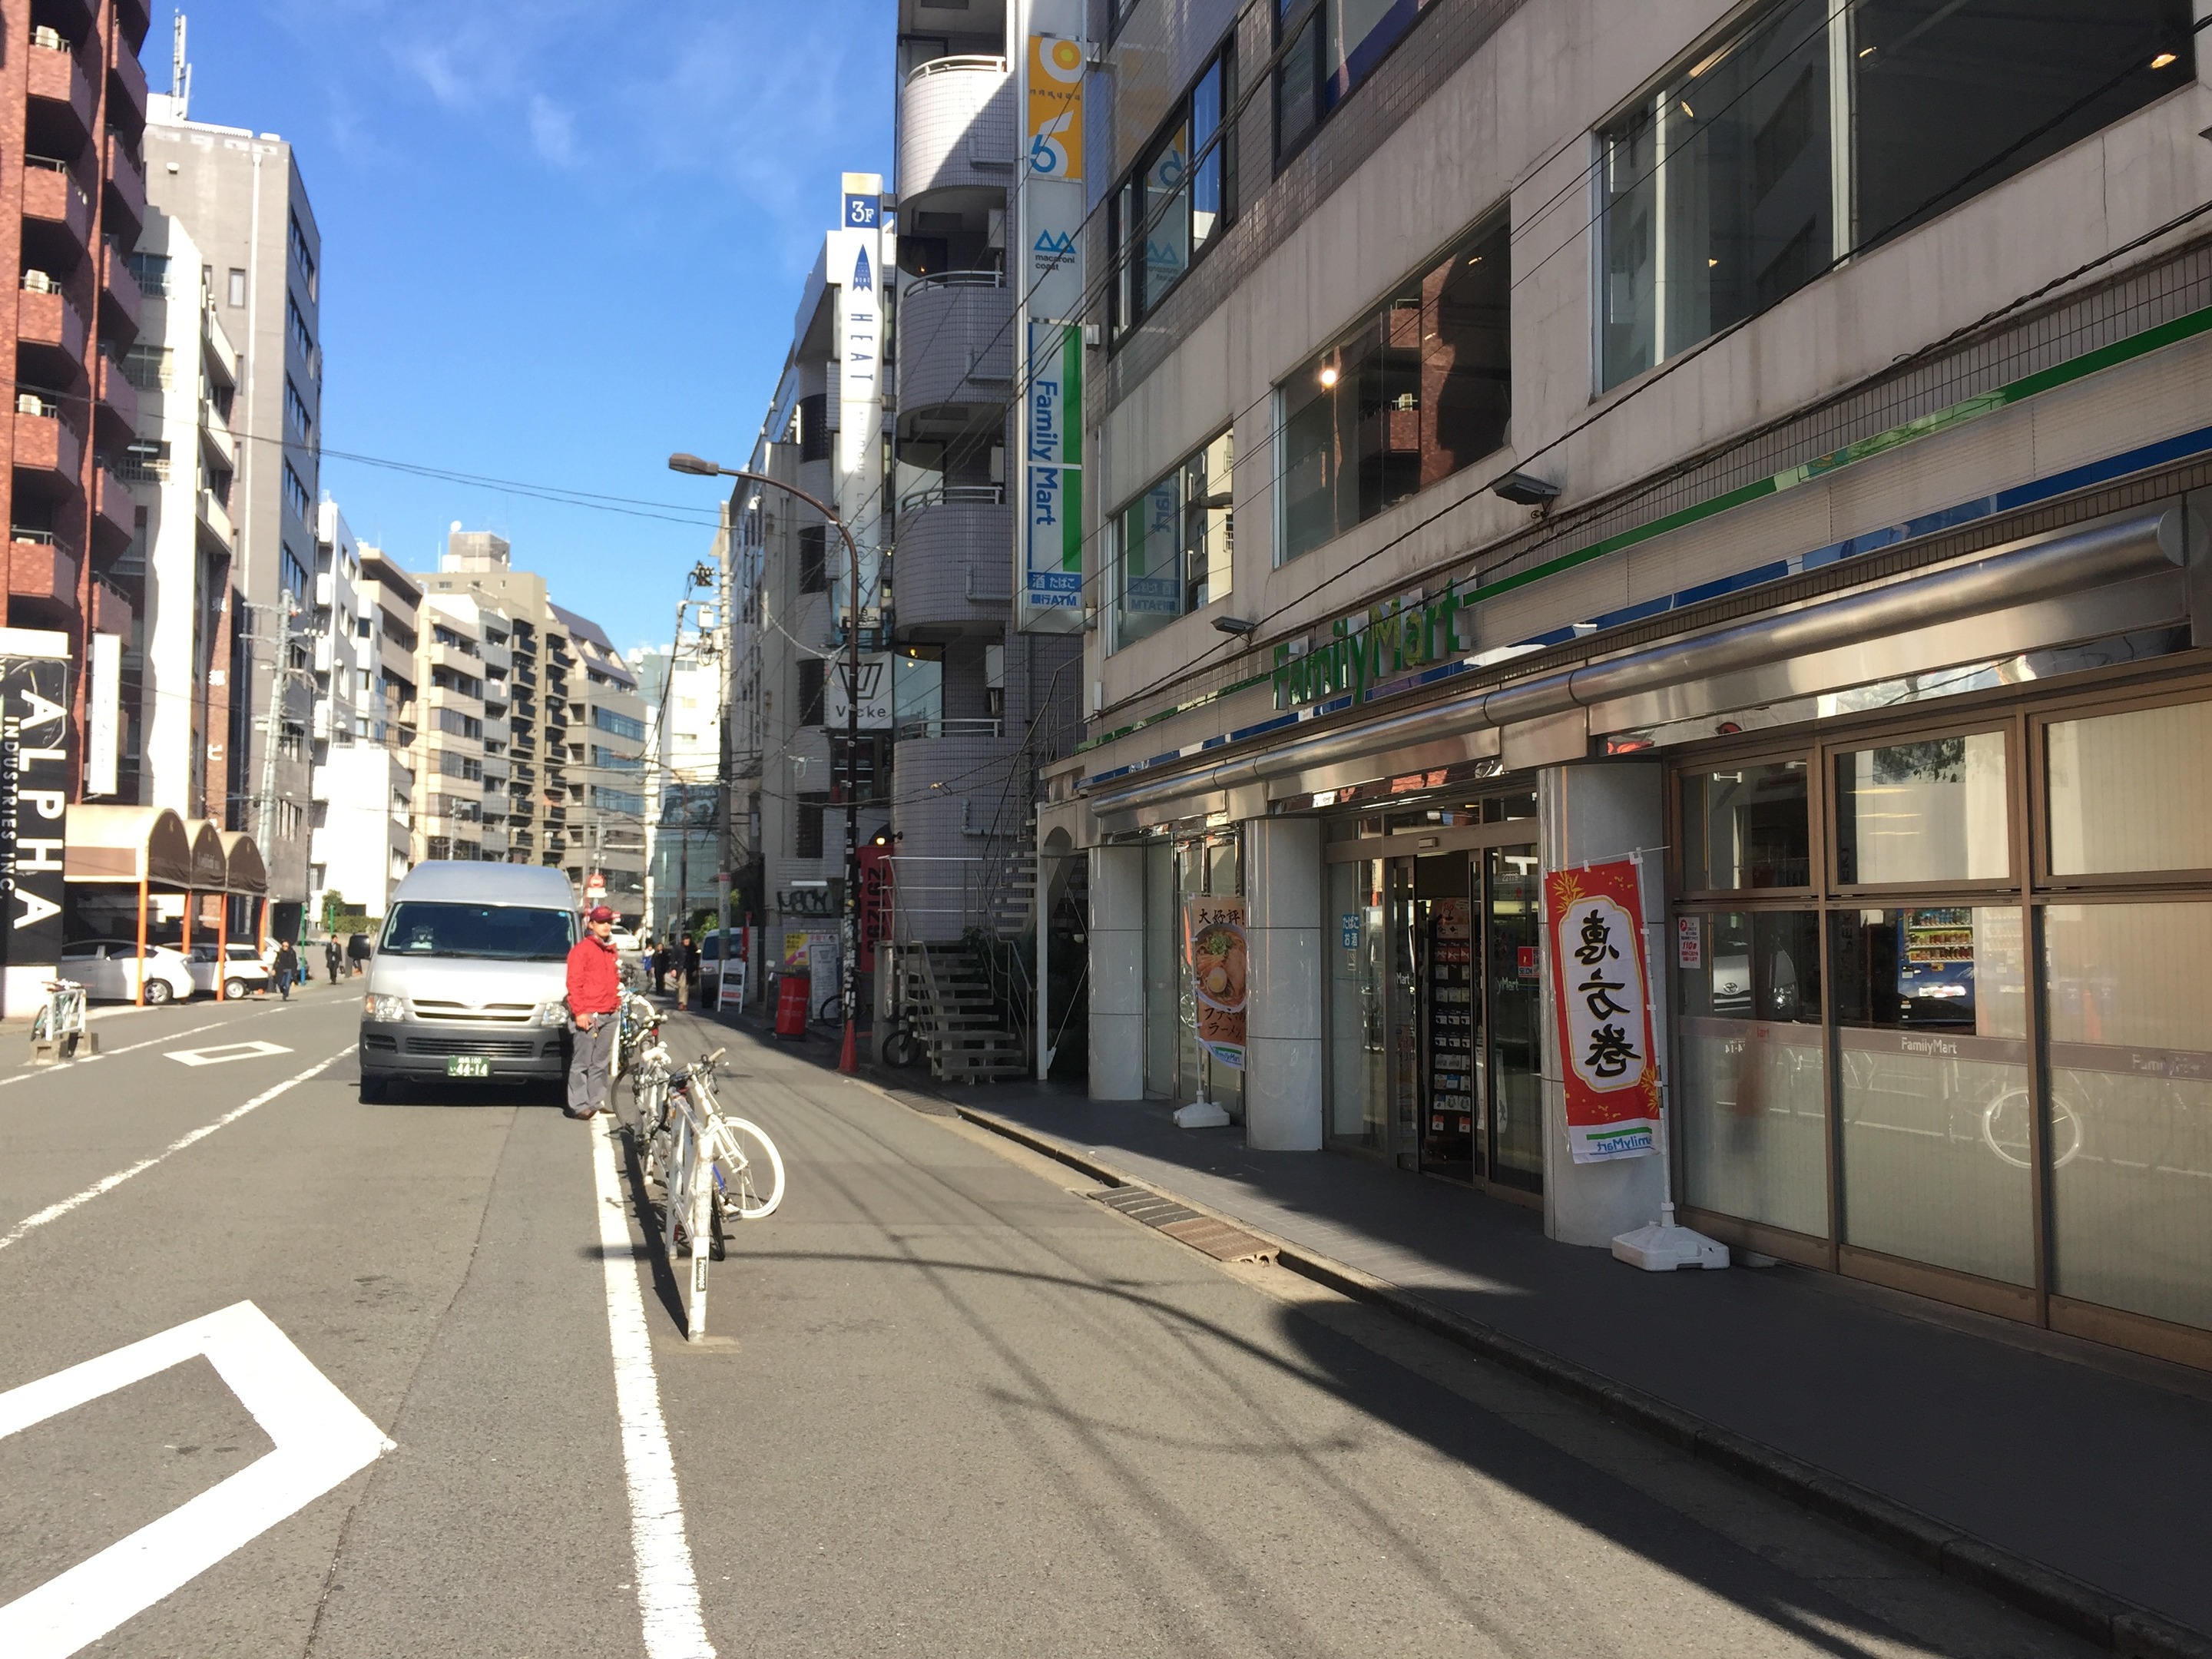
(690, 1133)
(59, 1022)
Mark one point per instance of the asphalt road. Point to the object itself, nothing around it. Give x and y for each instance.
(953, 1407)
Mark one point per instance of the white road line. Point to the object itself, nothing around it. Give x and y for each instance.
(222, 1053)
(109, 1183)
(132, 1047)
(318, 1438)
(667, 1590)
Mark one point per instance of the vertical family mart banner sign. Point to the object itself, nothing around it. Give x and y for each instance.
(1213, 944)
(1602, 982)
(1053, 513)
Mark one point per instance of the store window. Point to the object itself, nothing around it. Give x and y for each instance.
(1746, 826)
(1933, 810)
(1931, 1053)
(1173, 544)
(1332, 45)
(1752, 1058)
(1352, 929)
(1178, 199)
(2116, 798)
(1406, 398)
(1811, 132)
(2128, 1024)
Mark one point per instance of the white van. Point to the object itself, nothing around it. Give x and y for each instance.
(469, 978)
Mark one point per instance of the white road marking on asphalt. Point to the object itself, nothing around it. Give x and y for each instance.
(321, 1438)
(108, 1183)
(667, 1590)
(223, 1051)
(132, 1047)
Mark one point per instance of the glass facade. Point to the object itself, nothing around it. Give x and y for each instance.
(1174, 545)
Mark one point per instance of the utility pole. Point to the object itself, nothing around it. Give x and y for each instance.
(849, 936)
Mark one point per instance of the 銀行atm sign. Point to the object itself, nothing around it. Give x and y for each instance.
(1601, 982)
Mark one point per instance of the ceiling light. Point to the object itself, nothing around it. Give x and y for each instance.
(1524, 490)
(1710, 264)
(1237, 624)
(1687, 110)
(2162, 60)
(1329, 374)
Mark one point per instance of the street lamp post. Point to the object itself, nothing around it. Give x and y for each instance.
(849, 936)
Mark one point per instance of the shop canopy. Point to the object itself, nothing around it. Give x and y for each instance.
(132, 844)
(243, 860)
(211, 863)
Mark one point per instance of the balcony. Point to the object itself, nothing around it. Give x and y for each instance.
(215, 433)
(215, 522)
(45, 449)
(221, 356)
(955, 129)
(121, 301)
(956, 340)
(41, 581)
(111, 611)
(126, 79)
(46, 320)
(953, 576)
(61, 96)
(117, 410)
(126, 189)
(55, 205)
(114, 514)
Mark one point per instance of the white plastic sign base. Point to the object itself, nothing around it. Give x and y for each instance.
(1201, 1115)
(1662, 1247)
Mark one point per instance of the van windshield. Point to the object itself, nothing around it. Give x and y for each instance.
(503, 932)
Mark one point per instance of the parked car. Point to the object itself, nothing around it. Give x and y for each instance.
(109, 969)
(624, 941)
(245, 971)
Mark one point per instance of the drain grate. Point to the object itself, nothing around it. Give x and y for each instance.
(1186, 1225)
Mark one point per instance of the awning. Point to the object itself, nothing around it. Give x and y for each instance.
(127, 843)
(246, 873)
(211, 864)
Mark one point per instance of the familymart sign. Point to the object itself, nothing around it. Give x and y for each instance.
(1370, 655)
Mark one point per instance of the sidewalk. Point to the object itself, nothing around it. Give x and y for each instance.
(2089, 1461)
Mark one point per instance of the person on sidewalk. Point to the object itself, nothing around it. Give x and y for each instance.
(691, 989)
(287, 967)
(660, 968)
(331, 958)
(594, 995)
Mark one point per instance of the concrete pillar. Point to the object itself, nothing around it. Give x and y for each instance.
(1591, 812)
(1118, 973)
(1283, 1019)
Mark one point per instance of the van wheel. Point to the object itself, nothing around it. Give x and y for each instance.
(157, 993)
(234, 990)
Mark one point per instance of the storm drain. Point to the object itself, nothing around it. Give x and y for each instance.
(1180, 1221)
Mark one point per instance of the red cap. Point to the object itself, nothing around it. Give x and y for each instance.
(598, 913)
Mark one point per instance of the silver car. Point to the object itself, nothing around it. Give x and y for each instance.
(109, 970)
(469, 978)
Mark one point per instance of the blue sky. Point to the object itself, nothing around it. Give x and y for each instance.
(560, 239)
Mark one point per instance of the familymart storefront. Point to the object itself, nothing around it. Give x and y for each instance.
(1924, 863)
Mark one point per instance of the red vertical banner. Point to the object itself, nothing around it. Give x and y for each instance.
(1601, 984)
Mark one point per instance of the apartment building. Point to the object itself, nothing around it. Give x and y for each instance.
(240, 197)
(683, 828)
(362, 801)
(606, 767)
(1760, 444)
(74, 95)
(451, 787)
(183, 372)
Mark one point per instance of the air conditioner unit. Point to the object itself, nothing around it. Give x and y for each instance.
(29, 402)
(37, 282)
(49, 37)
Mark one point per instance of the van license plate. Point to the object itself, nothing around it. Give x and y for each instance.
(468, 1066)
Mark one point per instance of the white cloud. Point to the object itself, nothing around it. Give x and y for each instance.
(553, 130)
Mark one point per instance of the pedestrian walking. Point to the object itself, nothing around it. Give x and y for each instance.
(287, 967)
(660, 968)
(594, 994)
(331, 958)
(358, 951)
(690, 968)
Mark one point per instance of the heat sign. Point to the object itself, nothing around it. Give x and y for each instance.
(1600, 979)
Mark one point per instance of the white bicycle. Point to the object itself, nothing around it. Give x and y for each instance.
(685, 1134)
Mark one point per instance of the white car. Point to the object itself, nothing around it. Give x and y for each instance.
(110, 969)
(244, 972)
(624, 940)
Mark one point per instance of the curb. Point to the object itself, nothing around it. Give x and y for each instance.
(2111, 1622)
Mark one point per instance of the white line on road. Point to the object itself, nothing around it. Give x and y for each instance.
(109, 1183)
(220, 1052)
(318, 1438)
(132, 1047)
(667, 1590)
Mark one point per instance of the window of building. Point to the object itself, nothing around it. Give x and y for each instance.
(151, 273)
(301, 256)
(1172, 545)
(612, 760)
(814, 558)
(1329, 47)
(814, 427)
(292, 572)
(144, 463)
(459, 725)
(148, 367)
(620, 726)
(296, 329)
(302, 424)
(1179, 196)
(1800, 137)
(465, 767)
(237, 294)
(806, 827)
(810, 679)
(296, 496)
(1409, 396)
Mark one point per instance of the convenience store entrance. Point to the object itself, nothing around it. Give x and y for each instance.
(1466, 926)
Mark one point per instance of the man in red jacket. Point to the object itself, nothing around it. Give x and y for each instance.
(594, 997)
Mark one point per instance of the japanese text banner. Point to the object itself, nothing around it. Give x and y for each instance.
(1602, 982)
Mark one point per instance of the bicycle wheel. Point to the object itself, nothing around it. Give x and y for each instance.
(748, 1169)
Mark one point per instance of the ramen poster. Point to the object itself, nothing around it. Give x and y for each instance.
(1213, 947)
